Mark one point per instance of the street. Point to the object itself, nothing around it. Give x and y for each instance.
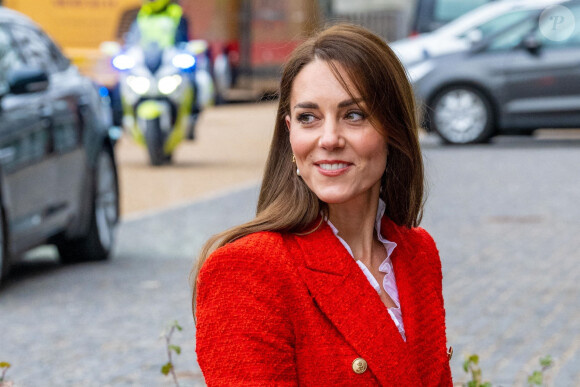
(505, 217)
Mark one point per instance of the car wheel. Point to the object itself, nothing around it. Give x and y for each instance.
(462, 115)
(4, 261)
(97, 244)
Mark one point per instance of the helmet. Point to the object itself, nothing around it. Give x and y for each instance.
(154, 6)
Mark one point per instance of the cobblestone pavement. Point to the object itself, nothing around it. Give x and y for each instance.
(505, 217)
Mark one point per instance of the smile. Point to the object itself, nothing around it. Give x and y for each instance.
(333, 167)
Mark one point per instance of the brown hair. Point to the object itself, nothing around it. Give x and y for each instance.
(286, 204)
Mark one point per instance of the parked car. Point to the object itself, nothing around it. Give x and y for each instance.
(432, 14)
(467, 30)
(58, 177)
(516, 80)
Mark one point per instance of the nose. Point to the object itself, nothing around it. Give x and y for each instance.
(331, 137)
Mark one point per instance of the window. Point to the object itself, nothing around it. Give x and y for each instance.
(37, 49)
(499, 24)
(571, 41)
(447, 10)
(514, 36)
(9, 58)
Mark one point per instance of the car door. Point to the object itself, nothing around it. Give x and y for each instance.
(542, 78)
(67, 156)
(28, 178)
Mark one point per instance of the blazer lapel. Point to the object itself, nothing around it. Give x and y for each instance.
(345, 296)
(404, 259)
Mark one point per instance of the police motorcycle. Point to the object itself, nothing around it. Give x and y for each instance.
(163, 90)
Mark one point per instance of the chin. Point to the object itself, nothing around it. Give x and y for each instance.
(333, 197)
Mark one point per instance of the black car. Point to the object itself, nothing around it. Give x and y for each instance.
(58, 176)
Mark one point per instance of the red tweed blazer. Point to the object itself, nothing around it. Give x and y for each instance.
(288, 310)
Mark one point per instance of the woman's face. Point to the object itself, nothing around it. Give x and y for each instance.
(341, 156)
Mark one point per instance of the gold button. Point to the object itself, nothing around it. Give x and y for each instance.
(450, 353)
(359, 365)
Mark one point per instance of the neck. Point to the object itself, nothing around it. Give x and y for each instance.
(355, 222)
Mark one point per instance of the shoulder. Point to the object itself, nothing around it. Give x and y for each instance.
(251, 247)
(422, 239)
(417, 243)
(174, 10)
(253, 270)
(262, 251)
(416, 239)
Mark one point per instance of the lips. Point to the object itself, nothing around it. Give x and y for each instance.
(332, 167)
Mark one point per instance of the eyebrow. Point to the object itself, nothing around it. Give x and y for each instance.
(312, 105)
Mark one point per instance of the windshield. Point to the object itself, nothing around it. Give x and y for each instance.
(487, 15)
(4, 54)
(448, 10)
(498, 24)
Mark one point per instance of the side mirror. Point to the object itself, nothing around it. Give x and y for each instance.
(531, 43)
(24, 81)
(474, 36)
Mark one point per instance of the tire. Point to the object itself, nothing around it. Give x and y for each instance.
(154, 140)
(462, 115)
(191, 127)
(97, 244)
(4, 259)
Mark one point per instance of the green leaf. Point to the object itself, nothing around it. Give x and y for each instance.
(536, 378)
(472, 383)
(486, 384)
(176, 348)
(176, 325)
(166, 368)
(5, 364)
(474, 359)
(546, 361)
(466, 365)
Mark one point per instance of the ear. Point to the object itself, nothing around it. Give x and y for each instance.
(288, 122)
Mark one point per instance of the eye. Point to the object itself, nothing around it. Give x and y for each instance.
(355, 115)
(306, 118)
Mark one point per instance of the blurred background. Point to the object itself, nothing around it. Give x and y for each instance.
(119, 158)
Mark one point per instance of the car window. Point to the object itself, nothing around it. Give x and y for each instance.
(9, 58)
(498, 24)
(447, 10)
(570, 41)
(37, 49)
(514, 36)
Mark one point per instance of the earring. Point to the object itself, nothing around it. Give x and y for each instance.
(294, 162)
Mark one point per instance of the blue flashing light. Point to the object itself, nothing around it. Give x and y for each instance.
(103, 92)
(184, 61)
(123, 62)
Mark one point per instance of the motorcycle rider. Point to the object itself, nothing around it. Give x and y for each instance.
(161, 22)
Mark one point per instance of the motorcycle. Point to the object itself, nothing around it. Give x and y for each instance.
(162, 93)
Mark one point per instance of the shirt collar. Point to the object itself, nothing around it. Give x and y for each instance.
(389, 246)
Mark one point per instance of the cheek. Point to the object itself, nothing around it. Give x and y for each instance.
(376, 155)
(301, 144)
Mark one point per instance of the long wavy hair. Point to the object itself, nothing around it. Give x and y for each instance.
(286, 204)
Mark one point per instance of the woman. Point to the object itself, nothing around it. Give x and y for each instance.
(332, 283)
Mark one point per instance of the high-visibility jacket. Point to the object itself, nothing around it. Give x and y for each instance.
(161, 27)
